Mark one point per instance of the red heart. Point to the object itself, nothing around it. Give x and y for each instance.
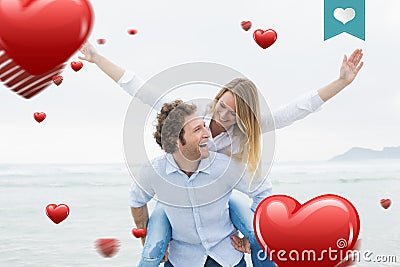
(294, 233)
(41, 35)
(265, 38)
(22, 82)
(139, 233)
(57, 79)
(76, 66)
(107, 247)
(132, 31)
(39, 117)
(57, 213)
(246, 25)
(385, 203)
(101, 41)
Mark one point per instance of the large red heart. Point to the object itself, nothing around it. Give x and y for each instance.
(22, 82)
(107, 246)
(265, 38)
(297, 235)
(41, 35)
(57, 213)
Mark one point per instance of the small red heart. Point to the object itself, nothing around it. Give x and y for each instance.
(246, 25)
(76, 66)
(265, 38)
(41, 35)
(57, 79)
(139, 233)
(101, 41)
(39, 116)
(385, 203)
(107, 247)
(132, 31)
(57, 213)
(287, 229)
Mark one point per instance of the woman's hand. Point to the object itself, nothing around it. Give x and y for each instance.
(89, 52)
(165, 258)
(350, 67)
(348, 71)
(241, 244)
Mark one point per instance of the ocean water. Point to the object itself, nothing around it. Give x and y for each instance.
(97, 196)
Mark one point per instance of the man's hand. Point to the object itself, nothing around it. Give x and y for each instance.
(241, 244)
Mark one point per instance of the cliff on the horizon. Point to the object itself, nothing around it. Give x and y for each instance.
(360, 153)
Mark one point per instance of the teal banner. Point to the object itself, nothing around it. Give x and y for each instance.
(344, 16)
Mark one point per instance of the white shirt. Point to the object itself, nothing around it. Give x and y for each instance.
(282, 117)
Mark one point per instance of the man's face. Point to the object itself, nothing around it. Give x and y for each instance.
(196, 136)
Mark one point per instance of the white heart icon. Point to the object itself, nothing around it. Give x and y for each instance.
(344, 15)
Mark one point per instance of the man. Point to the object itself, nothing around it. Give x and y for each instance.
(198, 214)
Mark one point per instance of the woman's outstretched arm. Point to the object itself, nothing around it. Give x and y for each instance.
(90, 54)
(127, 80)
(348, 72)
(305, 105)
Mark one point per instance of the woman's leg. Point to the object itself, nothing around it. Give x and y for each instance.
(157, 239)
(242, 218)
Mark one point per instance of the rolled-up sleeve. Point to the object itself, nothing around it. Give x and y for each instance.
(141, 190)
(154, 97)
(138, 197)
(295, 110)
(130, 82)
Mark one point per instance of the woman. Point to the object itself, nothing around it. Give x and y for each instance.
(236, 131)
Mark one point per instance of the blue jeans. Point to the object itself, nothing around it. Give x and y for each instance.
(159, 234)
(242, 218)
(212, 263)
(157, 238)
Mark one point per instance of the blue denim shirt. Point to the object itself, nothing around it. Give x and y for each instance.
(197, 206)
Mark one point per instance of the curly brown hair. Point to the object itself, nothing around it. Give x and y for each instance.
(170, 123)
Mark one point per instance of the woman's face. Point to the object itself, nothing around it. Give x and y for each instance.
(225, 110)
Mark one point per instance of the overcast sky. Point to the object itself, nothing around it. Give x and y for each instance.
(85, 113)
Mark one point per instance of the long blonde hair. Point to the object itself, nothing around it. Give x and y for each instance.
(247, 126)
